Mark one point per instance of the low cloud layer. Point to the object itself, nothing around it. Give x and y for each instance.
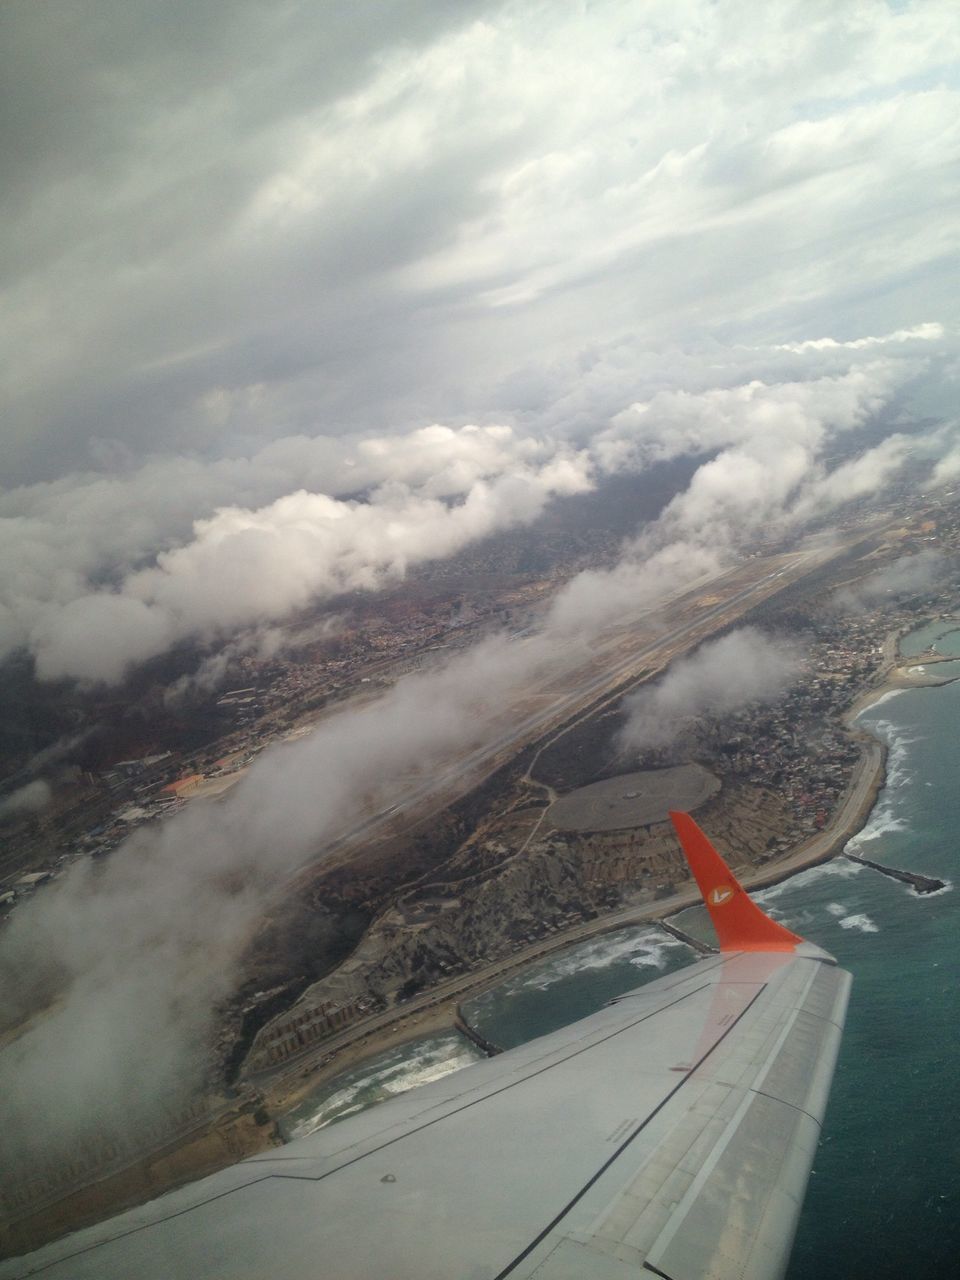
(246, 567)
(103, 572)
(133, 954)
(906, 577)
(743, 668)
(31, 798)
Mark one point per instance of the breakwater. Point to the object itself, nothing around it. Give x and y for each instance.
(482, 1043)
(921, 884)
(698, 945)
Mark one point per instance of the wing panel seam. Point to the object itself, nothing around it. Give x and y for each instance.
(626, 1143)
(298, 1177)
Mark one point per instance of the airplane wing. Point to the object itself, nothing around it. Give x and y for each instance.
(671, 1135)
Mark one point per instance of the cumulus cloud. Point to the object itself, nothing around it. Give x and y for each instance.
(861, 476)
(88, 602)
(743, 668)
(31, 798)
(768, 476)
(644, 578)
(423, 496)
(755, 415)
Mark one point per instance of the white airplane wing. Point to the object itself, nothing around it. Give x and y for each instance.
(671, 1134)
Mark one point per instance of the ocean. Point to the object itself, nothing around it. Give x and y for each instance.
(884, 1197)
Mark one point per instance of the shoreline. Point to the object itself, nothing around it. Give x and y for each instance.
(866, 783)
(270, 1100)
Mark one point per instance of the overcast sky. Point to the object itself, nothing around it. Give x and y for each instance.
(251, 249)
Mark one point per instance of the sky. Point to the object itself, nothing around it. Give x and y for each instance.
(296, 297)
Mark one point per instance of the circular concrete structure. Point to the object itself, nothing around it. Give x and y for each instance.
(633, 799)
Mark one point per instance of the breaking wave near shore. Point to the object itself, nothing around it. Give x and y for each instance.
(887, 816)
(385, 1076)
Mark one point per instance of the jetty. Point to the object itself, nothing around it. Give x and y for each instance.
(483, 1044)
(919, 883)
(704, 948)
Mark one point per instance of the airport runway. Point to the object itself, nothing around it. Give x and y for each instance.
(576, 689)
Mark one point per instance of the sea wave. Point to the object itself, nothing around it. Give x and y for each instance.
(646, 949)
(836, 908)
(386, 1076)
(860, 921)
(838, 867)
(884, 819)
(885, 697)
(934, 893)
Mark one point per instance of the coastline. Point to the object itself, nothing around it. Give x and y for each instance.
(273, 1097)
(433, 1017)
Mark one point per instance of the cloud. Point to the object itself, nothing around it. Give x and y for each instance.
(642, 579)
(296, 297)
(219, 565)
(909, 576)
(948, 468)
(233, 225)
(246, 567)
(931, 332)
(755, 415)
(103, 572)
(263, 268)
(31, 798)
(860, 477)
(131, 956)
(743, 668)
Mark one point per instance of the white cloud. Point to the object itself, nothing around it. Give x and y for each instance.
(742, 668)
(930, 332)
(245, 567)
(219, 564)
(948, 468)
(756, 414)
(31, 798)
(101, 572)
(135, 952)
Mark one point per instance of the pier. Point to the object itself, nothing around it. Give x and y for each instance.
(919, 883)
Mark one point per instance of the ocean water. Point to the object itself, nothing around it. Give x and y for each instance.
(574, 983)
(943, 636)
(884, 1197)
(407, 1066)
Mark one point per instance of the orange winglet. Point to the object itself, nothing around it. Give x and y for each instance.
(739, 922)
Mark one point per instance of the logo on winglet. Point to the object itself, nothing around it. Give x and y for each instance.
(717, 897)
